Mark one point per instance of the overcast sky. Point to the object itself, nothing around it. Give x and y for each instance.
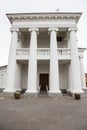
(26, 6)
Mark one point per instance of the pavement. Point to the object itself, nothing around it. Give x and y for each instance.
(42, 113)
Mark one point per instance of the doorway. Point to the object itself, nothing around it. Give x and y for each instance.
(44, 82)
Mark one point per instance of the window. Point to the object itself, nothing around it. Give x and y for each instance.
(59, 39)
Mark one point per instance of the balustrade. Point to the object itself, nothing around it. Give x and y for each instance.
(22, 51)
(64, 51)
(43, 51)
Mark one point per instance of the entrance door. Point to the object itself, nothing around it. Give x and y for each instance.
(44, 81)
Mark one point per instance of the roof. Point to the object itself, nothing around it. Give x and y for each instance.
(45, 13)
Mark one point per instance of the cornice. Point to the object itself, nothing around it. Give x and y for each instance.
(43, 16)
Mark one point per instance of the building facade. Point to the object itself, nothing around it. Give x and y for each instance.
(3, 77)
(43, 53)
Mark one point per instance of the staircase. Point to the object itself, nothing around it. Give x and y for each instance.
(43, 93)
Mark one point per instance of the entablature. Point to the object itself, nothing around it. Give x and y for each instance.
(44, 20)
(43, 16)
(44, 24)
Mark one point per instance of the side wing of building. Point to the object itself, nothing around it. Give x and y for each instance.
(3, 76)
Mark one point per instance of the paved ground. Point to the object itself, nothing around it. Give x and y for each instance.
(43, 113)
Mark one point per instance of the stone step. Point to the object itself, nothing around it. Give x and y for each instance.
(43, 93)
(85, 93)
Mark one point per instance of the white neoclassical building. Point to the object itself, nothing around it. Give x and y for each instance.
(43, 53)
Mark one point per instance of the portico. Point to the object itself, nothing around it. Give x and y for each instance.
(44, 43)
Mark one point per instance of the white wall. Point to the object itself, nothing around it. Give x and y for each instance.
(43, 43)
(62, 44)
(24, 44)
(18, 77)
(24, 75)
(23, 40)
(43, 40)
(63, 77)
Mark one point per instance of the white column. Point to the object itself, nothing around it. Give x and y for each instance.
(32, 65)
(12, 62)
(69, 89)
(75, 66)
(54, 65)
(82, 73)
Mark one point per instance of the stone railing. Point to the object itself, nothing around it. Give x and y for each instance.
(43, 51)
(64, 51)
(22, 51)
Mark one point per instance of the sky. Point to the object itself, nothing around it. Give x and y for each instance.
(27, 6)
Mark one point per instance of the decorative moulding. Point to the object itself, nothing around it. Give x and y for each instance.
(43, 16)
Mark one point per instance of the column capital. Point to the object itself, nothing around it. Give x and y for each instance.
(33, 29)
(53, 29)
(72, 29)
(14, 30)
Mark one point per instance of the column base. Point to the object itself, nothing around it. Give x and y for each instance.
(85, 93)
(84, 88)
(32, 93)
(69, 90)
(77, 91)
(18, 90)
(54, 94)
(54, 91)
(9, 91)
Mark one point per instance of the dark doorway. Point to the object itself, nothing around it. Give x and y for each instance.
(43, 82)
